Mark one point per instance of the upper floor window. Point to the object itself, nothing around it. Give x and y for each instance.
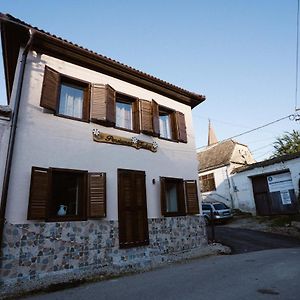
(71, 100)
(66, 96)
(100, 103)
(165, 125)
(124, 118)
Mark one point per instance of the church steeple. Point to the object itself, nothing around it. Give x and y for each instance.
(212, 139)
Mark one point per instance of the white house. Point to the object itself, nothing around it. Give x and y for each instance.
(270, 187)
(98, 164)
(216, 162)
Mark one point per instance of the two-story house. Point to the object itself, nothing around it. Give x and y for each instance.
(98, 164)
(216, 162)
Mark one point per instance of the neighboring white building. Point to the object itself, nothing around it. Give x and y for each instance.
(104, 168)
(216, 163)
(270, 187)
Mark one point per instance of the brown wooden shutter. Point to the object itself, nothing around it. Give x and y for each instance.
(142, 235)
(136, 115)
(39, 194)
(174, 126)
(181, 198)
(146, 117)
(50, 91)
(96, 195)
(86, 103)
(126, 210)
(163, 195)
(191, 197)
(155, 116)
(182, 136)
(103, 102)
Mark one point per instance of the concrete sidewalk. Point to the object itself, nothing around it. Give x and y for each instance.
(266, 274)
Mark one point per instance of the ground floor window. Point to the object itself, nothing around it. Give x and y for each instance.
(207, 183)
(132, 208)
(172, 196)
(65, 194)
(178, 197)
(68, 192)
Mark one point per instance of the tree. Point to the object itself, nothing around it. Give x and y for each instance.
(288, 143)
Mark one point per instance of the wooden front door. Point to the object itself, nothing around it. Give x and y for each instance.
(261, 196)
(132, 208)
(269, 201)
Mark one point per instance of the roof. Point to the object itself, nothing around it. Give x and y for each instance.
(267, 162)
(216, 156)
(15, 33)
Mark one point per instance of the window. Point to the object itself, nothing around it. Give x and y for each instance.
(132, 208)
(71, 101)
(172, 197)
(127, 112)
(172, 125)
(178, 197)
(207, 183)
(124, 115)
(165, 125)
(65, 96)
(64, 194)
(206, 207)
(75, 99)
(67, 193)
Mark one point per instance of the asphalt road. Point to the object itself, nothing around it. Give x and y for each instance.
(269, 274)
(245, 240)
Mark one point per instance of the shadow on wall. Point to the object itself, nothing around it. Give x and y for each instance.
(221, 194)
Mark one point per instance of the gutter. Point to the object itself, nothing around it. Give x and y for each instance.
(60, 48)
(12, 136)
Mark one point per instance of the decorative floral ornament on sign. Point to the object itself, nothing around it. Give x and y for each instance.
(96, 132)
(101, 137)
(134, 140)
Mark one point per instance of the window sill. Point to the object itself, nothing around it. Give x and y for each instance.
(66, 218)
(125, 129)
(72, 118)
(174, 214)
(134, 244)
(169, 140)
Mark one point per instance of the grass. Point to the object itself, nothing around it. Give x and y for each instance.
(281, 221)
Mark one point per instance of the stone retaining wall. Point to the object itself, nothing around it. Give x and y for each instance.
(36, 255)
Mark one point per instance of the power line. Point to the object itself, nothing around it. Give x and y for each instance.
(254, 129)
(261, 155)
(260, 148)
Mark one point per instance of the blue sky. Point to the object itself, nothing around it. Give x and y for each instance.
(240, 54)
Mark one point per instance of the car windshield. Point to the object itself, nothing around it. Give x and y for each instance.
(220, 206)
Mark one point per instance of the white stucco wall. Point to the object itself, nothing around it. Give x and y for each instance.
(46, 140)
(244, 194)
(222, 192)
(4, 137)
(241, 154)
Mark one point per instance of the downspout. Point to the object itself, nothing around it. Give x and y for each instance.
(12, 136)
(229, 186)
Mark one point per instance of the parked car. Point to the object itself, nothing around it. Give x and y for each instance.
(221, 212)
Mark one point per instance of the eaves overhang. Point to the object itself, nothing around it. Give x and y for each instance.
(14, 34)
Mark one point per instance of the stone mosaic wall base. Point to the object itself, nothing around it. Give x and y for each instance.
(36, 255)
